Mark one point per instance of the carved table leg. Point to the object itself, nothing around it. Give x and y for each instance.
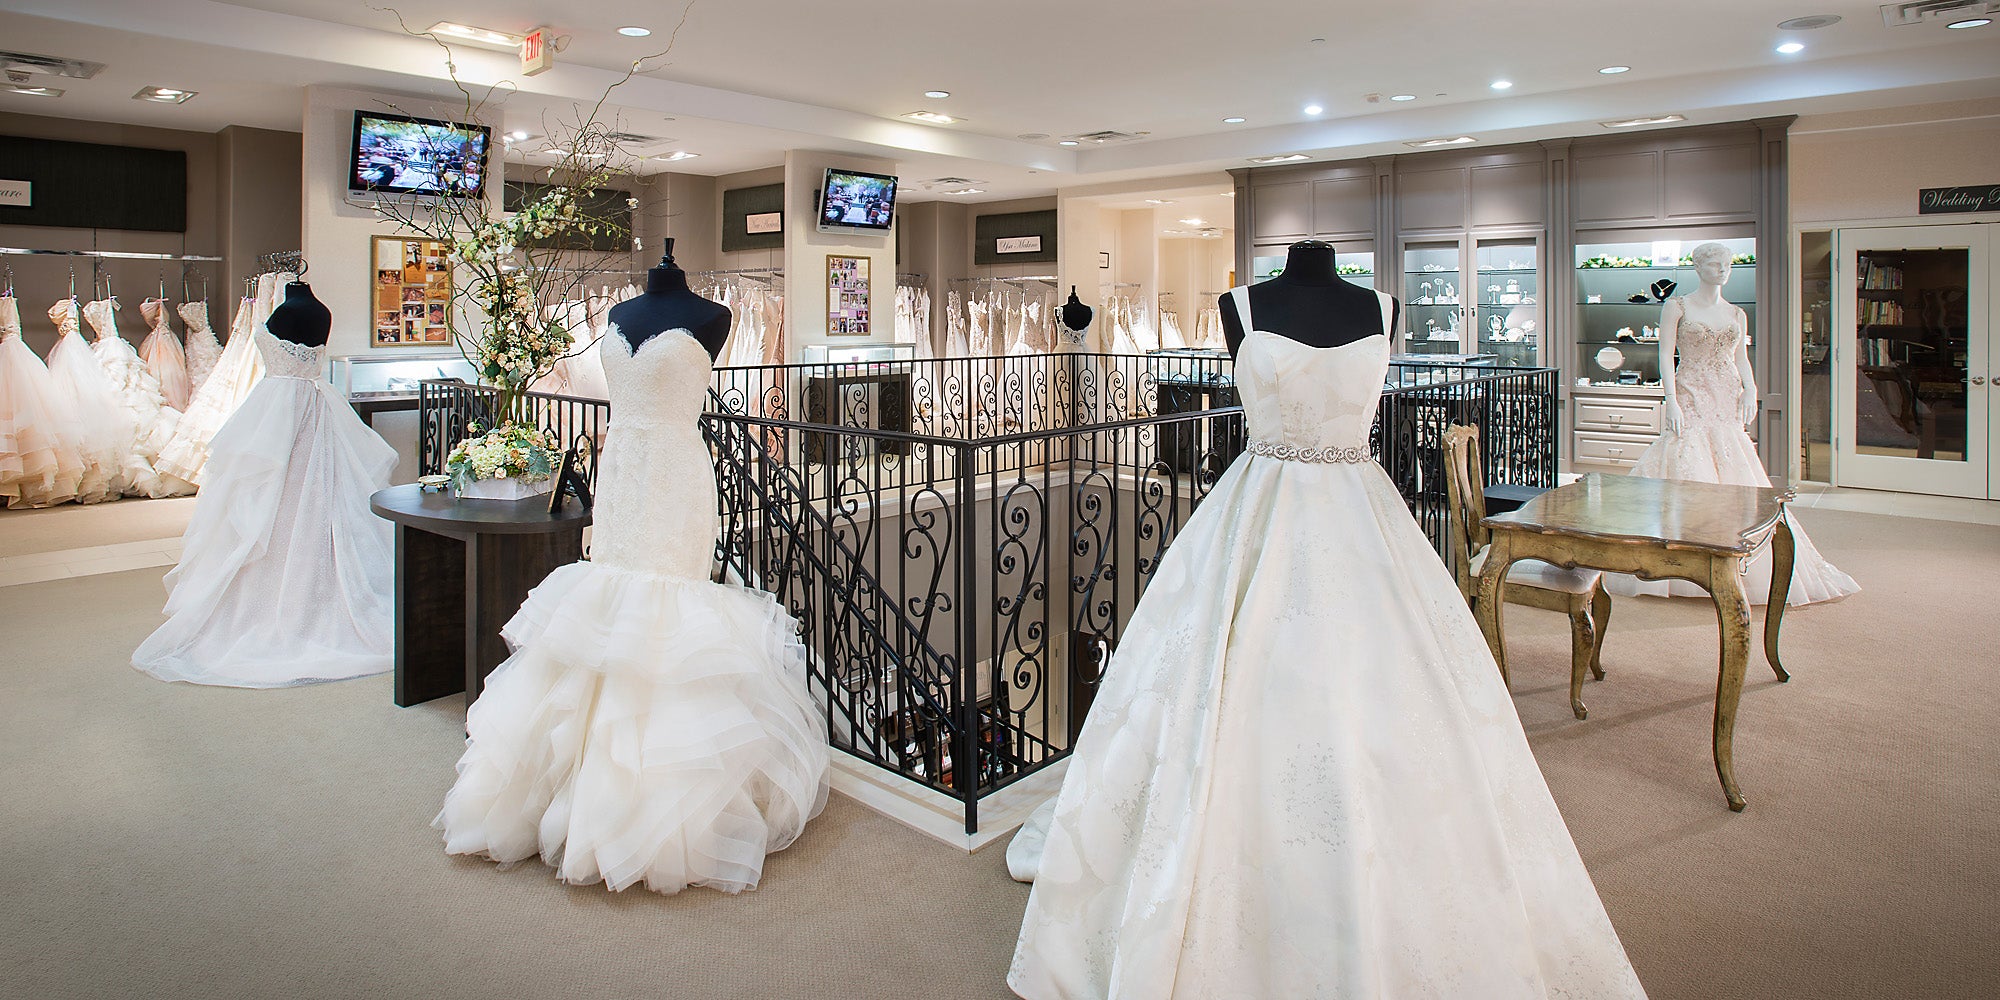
(1732, 612)
(1583, 646)
(1782, 548)
(1493, 596)
(1600, 614)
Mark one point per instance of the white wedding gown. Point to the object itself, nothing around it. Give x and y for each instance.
(651, 726)
(145, 422)
(96, 416)
(39, 463)
(203, 350)
(228, 384)
(163, 354)
(1302, 775)
(1713, 447)
(286, 576)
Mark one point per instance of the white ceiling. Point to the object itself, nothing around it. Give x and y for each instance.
(748, 79)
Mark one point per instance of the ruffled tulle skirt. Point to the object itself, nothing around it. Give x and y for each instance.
(286, 576)
(39, 465)
(1724, 454)
(1302, 776)
(222, 390)
(648, 729)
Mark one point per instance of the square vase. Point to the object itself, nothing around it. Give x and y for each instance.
(506, 489)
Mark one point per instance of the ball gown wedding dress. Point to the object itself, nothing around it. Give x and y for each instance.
(228, 384)
(162, 353)
(39, 464)
(146, 422)
(651, 726)
(285, 574)
(1302, 775)
(203, 349)
(1712, 447)
(96, 416)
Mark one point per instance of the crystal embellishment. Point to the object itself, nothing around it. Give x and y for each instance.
(1322, 456)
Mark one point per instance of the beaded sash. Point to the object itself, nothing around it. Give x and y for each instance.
(1324, 456)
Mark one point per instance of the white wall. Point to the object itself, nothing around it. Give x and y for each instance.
(1871, 164)
(806, 250)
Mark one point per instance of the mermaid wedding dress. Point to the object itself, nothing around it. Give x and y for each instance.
(1712, 447)
(651, 726)
(285, 574)
(145, 421)
(163, 354)
(1302, 775)
(203, 349)
(96, 415)
(39, 464)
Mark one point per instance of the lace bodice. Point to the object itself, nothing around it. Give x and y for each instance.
(101, 317)
(656, 497)
(1311, 403)
(1707, 384)
(10, 317)
(195, 315)
(285, 359)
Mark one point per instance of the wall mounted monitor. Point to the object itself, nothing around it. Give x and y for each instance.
(397, 154)
(851, 200)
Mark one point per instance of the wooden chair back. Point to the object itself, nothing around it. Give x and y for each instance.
(1465, 490)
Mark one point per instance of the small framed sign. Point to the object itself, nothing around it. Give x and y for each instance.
(20, 194)
(410, 292)
(1018, 244)
(846, 296)
(1104, 261)
(1944, 201)
(764, 222)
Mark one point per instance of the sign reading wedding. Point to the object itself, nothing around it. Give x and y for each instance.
(412, 290)
(846, 296)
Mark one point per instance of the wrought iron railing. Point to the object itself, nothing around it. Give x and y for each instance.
(961, 572)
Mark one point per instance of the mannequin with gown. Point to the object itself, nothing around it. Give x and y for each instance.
(1302, 775)
(1075, 318)
(651, 725)
(146, 422)
(285, 574)
(203, 350)
(228, 384)
(1711, 396)
(39, 464)
(163, 355)
(96, 415)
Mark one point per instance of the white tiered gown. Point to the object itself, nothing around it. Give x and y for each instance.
(1712, 447)
(96, 416)
(39, 463)
(1302, 775)
(146, 423)
(163, 354)
(651, 725)
(286, 577)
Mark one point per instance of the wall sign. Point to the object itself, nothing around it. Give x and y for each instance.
(536, 52)
(739, 204)
(1018, 244)
(1972, 198)
(846, 296)
(764, 222)
(84, 185)
(411, 284)
(1014, 238)
(19, 193)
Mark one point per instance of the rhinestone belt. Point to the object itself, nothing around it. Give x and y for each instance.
(1325, 456)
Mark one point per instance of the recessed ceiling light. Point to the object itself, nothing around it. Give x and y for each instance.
(1192, 221)
(15, 88)
(1233, 121)
(469, 33)
(1404, 97)
(163, 95)
(967, 191)
(1458, 140)
(1284, 158)
(1316, 41)
(1313, 109)
(1971, 22)
(1635, 122)
(1502, 85)
(1228, 194)
(1032, 136)
(1615, 70)
(937, 95)
(1791, 48)
(678, 154)
(932, 118)
(1067, 142)
(1809, 22)
(517, 135)
(1159, 201)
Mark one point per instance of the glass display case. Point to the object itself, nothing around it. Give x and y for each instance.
(1433, 299)
(1479, 296)
(1619, 292)
(1508, 310)
(843, 354)
(370, 376)
(1354, 259)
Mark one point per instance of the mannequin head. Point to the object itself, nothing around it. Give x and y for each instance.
(1711, 264)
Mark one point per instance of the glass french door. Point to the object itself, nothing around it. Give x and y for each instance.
(1913, 359)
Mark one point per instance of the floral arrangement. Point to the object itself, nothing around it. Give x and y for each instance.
(512, 450)
(1687, 260)
(1352, 269)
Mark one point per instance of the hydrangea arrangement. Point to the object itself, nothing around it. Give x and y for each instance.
(512, 450)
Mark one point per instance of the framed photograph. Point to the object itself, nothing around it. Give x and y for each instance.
(412, 289)
(846, 296)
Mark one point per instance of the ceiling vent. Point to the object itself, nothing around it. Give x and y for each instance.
(951, 181)
(28, 62)
(1810, 22)
(1896, 15)
(1107, 136)
(635, 140)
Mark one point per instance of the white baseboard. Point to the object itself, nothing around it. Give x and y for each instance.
(937, 815)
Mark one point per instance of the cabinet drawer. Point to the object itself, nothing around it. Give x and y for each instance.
(1609, 415)
(1610, 449)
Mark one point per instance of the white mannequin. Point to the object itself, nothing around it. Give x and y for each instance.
(1711, 267)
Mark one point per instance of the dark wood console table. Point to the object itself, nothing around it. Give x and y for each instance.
(463, 567)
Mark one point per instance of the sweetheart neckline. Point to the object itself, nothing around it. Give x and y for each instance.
(611, 330)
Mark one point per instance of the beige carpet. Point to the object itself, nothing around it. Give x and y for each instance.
(170, 841)
(74, 526)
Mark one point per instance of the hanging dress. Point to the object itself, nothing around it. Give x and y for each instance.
(98, 417)
(39, 464)
(147, 422)
(162, 353)
(203, 350)
(235, 375)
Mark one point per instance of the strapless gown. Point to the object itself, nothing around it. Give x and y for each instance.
(1302, 775)
(163, 355)
(651, 726)
(39, 462)
(1712, 447)
(145, 421)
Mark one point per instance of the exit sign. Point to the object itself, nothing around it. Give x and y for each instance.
(537, 54)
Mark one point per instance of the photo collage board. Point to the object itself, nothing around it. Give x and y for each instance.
(412, 289)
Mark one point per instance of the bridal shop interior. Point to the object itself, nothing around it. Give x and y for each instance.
(797, 500)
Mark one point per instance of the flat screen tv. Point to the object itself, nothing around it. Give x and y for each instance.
(853, 200)
(397, 154)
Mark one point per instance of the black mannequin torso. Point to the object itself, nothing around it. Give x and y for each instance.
(1309, 303)
(669, 304)
(1075, 314)
(301, 318)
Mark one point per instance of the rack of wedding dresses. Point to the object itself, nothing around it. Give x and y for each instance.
(1128, 323)
(580, 372)
(1171, 337)
(228, 381)
(756, 300)
(1208, 323)
(1003, 316)
(96, 420)
(913, 314)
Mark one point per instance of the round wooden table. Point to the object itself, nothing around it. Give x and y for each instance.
(463, 567)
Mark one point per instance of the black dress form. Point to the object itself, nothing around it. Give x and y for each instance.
(1075, 315)
(1309, 303)
(669, 304)
(302, 318)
